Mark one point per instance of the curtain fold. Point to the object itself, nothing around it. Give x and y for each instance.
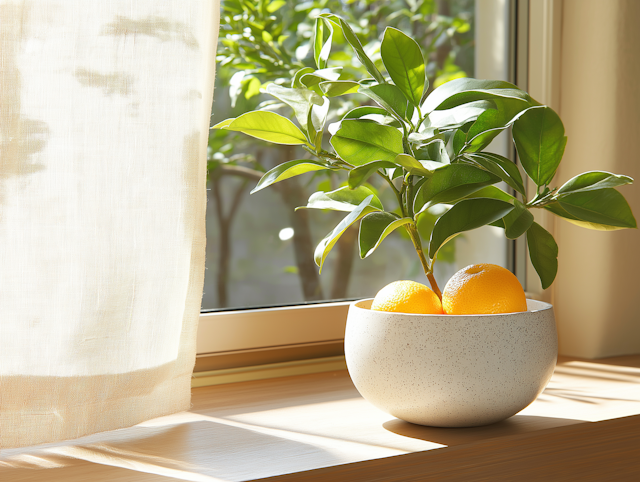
(104, 116)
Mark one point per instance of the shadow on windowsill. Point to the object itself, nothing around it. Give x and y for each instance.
(517, 424)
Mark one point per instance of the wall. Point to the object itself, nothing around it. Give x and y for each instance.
(596, 292)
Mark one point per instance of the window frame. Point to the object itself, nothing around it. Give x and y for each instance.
(275, 327)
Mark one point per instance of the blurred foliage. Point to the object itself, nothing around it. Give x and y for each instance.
(268, 42)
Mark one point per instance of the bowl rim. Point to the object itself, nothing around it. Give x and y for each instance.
(542, 306)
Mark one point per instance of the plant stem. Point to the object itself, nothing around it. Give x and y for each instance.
(428, 269)
(395, 190)
(434, 285)
(410, 197)
(403, 197)
(413, 231)
(541, 199)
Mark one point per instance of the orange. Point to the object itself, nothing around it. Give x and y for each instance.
(407, 297)
(483, 289)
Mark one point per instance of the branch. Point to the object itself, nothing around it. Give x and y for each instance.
(216, 195)
(235, 203)
(240, 171)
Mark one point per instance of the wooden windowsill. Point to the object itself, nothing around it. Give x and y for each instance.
(585, 426)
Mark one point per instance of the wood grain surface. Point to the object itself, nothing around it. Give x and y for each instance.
(584, 426)
(599, 451)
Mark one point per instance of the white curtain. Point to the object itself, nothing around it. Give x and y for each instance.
(104, 115)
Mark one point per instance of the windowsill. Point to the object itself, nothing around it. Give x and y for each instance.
(585, 424)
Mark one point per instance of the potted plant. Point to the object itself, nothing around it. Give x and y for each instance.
(430, 150)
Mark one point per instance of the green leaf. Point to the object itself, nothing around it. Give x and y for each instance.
(365, 110)
(605, 206)
(360, 174)
(493, 192)
(412, 165)
(334, 88)
(296, 83)
(275, 5)
(223, 124)
(543, 252)
(352, 39)
(374, 114)
(482, 140)
(501, 167)
(463, 216)
(367, 82)
(389, 97)
(458, 141)
(318, 114)
(558, 210)
(433, 155)
(315, 122)
(376, 226)
(540, 141)
(344, 199)
(403, 60)
(451, 183)
(492, 122)
(311, 79)
(517, 221)
(322, 47)
(287, 170)
(317, 140)
(300, 100)
(460, 115)
(268, 126)
(359, 142)
(462, 91)
(252, 88)
(591, 181)
(410, 111)
(425, 90)
(266, 37)
(498, 224)
(425, 135)
(395, 173)
(447, 253)
(332, 73)
(329, 241)
(504, 114)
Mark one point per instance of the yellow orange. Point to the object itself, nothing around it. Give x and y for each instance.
(407, 297)
(483, 289)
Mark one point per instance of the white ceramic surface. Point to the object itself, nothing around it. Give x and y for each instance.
(451, 370)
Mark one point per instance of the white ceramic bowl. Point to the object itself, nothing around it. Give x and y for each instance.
(451, 370)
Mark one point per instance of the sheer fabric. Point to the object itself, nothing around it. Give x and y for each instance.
(104, 115)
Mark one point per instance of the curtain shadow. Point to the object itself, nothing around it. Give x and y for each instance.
(20, 137)
(201, 450)
(160, 28)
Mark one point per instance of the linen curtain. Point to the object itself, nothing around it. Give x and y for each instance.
(104, 116)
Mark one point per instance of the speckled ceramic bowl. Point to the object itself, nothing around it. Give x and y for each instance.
(451, 371)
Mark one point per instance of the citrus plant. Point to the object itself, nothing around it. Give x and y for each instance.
(430, 149)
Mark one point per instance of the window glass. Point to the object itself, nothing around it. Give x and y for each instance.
(259, 249)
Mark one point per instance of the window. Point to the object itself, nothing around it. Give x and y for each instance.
(260, 251)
